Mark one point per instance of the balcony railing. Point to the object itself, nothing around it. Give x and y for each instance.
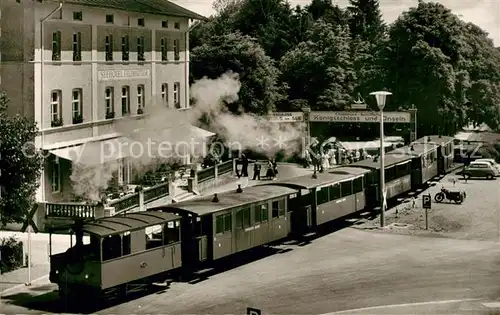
(206, 174)
(126, 202)
(225, 167)
(70, 210)
(156, 192)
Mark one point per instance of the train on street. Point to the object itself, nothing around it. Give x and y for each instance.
(138, 250)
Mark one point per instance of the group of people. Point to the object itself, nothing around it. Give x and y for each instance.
(271, 173)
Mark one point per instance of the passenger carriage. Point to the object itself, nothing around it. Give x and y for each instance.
(125, 252)
(445, 151)
(397, 176)
(324, 198)
(218, 226)
(424, 165)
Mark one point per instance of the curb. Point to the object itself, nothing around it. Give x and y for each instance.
(17, 287)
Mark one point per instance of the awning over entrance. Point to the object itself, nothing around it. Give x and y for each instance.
(95, 152)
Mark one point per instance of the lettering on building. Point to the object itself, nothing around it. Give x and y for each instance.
(111, 75)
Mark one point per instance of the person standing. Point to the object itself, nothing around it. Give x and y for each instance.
(256, 171)
(244, 165)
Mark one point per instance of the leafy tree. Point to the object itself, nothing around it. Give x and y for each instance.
(421, 60)
(368, 33)
(243, 55)
(320, 70)
(20, 165)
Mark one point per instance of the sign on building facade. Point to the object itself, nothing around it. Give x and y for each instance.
(287, 117)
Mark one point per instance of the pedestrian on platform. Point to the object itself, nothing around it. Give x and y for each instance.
(256, 171)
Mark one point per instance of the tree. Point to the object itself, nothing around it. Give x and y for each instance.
(320, 70)
(243, 55)
(421, 60)
(20, 165)
(368, 33)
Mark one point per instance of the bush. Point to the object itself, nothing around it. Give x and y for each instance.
(11, 250)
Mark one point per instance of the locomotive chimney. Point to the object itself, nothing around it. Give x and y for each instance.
(411, 147)
(239, 190)
(215, 199)
(428, 139)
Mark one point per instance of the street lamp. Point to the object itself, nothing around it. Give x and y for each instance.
(381, 96)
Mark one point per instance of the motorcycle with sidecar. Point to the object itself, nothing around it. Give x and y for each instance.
(452, 195)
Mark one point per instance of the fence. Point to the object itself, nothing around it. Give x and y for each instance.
(210, 176)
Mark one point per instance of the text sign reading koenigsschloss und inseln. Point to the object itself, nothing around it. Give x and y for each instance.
(360, 117)
(110, 75)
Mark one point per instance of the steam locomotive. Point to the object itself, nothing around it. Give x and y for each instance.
(141, 249)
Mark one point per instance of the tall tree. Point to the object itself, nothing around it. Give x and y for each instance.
(20, 165)
(368, 33)
(421, 60)
(325, 10)
(319, 70)
(241, 54)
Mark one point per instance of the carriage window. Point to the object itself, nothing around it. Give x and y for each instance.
(154, 236)
(223, 223)
(322, 195)
(219, 224)
(126, 243)
(357, 185)
(198, 226)
(335, 192)
(243, 218)
(278, 208)
(346, 188)
(390, 174)
(111, 247)
(261, 214)
(402, 170)
(171, 232)
(304, 192)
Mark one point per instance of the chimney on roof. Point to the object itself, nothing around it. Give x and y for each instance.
(239, 190)
(411, 148)
(428, 139)
(439, 136)
(215, 199)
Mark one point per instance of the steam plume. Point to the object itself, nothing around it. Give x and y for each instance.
(164, 135)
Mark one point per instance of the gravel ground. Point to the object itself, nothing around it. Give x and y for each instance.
(478, 217)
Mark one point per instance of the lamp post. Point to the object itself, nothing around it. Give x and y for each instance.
(381, 96)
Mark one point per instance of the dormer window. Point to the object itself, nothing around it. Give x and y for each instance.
(109, 18)
(140, 22)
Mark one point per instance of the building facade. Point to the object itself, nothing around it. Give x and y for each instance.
(77, 67)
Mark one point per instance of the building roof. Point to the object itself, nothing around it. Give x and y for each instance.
(156, 7)
(126, 222)
(227, 200)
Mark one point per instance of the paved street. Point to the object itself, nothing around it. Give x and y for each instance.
(348, 269)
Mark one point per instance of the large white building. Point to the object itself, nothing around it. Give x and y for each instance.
(78, 66)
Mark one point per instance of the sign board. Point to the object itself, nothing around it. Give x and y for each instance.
(286, 117)
(253, 311)
(30, 225)
(426, 201)
(358, 106)
(359, 117)
(112, 75)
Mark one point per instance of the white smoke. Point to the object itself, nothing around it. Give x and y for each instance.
(164, 136)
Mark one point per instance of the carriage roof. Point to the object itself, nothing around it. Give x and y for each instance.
(227, 200)
(307, 182)
(439, 140)
(415, 149)
(126, 222)
(389, 160)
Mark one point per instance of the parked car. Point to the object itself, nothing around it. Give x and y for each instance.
(492, 162)
(480, 169)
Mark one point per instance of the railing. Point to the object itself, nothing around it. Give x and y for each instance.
(225, 167)
(71, 210)
(156, 192)
(126, 202)
(206, 174)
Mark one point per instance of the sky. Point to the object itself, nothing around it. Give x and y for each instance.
(484, 13)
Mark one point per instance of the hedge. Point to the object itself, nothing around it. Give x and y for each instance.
(11, 250)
